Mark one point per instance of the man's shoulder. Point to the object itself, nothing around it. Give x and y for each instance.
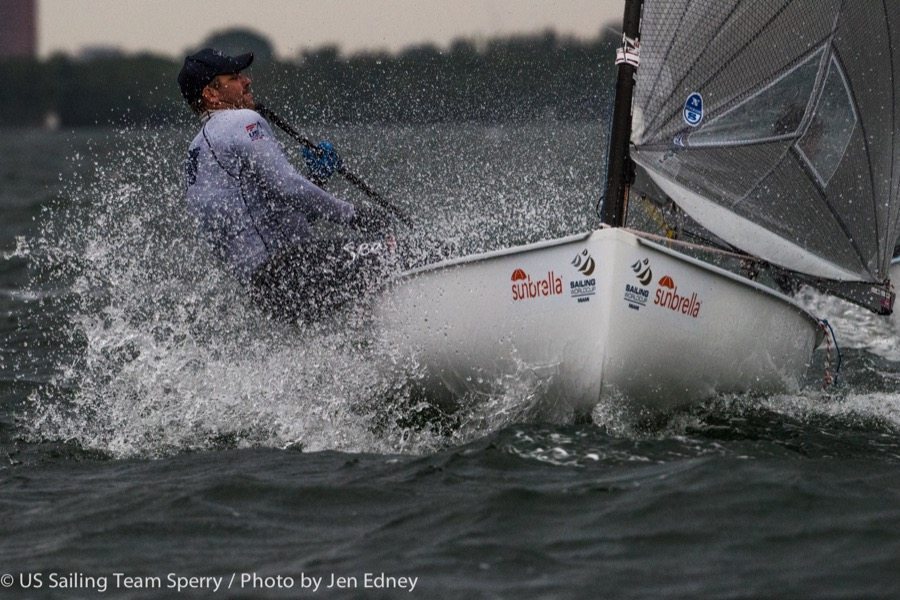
(235, 116)
(244, 122)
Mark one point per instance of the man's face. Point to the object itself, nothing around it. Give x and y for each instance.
(229, 91)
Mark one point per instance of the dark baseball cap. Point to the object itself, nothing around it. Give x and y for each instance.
(202, 67)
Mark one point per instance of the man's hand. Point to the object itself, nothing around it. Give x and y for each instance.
(322, 162)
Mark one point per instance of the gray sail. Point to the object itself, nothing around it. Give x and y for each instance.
(774, 124)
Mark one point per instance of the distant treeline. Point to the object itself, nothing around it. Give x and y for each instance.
(509, 79)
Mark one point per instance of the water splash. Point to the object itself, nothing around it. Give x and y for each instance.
(163, 353)
(810, 425)
(854, 326)
(171, 356)
(21, 251)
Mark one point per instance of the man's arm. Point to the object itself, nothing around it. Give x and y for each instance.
(268, 161)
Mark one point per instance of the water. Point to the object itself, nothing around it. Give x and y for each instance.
(154, 426)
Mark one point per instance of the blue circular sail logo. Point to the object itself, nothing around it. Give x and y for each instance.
(693, 109)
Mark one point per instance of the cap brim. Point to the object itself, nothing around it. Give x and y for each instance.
(241, 61)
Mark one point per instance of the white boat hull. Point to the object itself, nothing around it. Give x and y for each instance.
(647, 324)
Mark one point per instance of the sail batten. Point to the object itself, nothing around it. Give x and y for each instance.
(783, 113)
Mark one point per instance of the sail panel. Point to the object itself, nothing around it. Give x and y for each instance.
(799, 114)
(725, 50)
(779, 250)
(892, 24)
(833, 120)
(772, 204)
(777, 111)
(863, 45)
(769, 172)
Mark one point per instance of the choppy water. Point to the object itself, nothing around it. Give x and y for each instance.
(153, 425)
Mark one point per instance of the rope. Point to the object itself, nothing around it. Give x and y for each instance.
(710, 249)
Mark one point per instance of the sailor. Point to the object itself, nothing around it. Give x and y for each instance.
(254, 208)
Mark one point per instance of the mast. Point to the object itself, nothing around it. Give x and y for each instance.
(620, 169)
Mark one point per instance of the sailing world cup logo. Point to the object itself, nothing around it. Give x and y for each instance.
(583, 289)
(637, 295)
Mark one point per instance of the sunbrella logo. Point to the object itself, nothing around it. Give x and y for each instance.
(667, 296)
(525, 288)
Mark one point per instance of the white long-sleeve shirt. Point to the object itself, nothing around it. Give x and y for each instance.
(249, 201)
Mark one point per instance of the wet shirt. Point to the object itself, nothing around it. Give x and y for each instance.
(249, 201)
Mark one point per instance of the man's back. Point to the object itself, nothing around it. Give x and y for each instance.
(249, 201)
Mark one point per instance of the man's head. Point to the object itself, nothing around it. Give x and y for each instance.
(210, 80)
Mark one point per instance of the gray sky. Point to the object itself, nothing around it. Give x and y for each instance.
(170, 26)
